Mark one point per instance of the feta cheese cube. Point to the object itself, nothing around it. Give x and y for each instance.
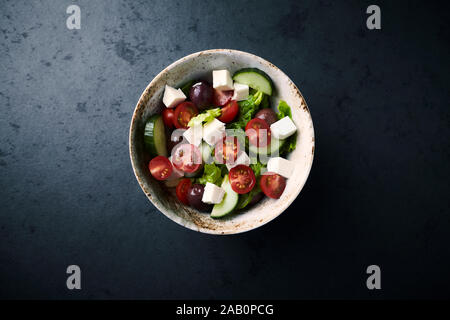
(212, 194)
(172, 97)
(283, 128)
(213, 131)
(194, 135)
(176, 174)
(222, 80)
(281, 166)
(242, 158)
(240, 92)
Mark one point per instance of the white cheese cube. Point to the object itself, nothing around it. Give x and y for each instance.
(194, 135)
(283, 128)
(212, 194)
(172, 97)
(240, 92)
(242, 158)
(213, 131)
(281, 166)
(222, 80)
(176, 174)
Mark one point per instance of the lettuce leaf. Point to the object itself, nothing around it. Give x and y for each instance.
(289, 146)
(205, 116)
(186, 87)
(265, 103)
(212, 174)
(257, 167)
(245, 199)
(247, 109)
(285, 111)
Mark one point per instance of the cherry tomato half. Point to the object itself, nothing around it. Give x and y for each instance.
(258, 132)
(183, 113)
(186, 157)
(227, 150)
(160, 168)
(242, 179)
(182, 190)
(168, 116)
(229, 112)
(221, 98)
(272, 185)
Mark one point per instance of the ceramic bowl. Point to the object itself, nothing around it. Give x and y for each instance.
(200, 65)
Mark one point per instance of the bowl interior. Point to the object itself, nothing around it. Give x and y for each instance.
(199, 66)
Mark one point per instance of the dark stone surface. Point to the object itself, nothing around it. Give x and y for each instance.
(378, 192)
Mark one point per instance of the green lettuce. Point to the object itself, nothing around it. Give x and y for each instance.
(265, 103)
(285, 111)
(205, 116)
(186, 87)
(289, 146)
(212, 174)
(247, 109)
(257, 167)
(245, 199)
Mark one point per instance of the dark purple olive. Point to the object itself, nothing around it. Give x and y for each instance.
(256, 198)
(268, 115)
(201, 94)
(194, 197)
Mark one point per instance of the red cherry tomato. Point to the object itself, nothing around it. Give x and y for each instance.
(227, 150)
(183, 113)
(182, 190)
(168, 116)
(242, 179)
(229, 112)
(221, 98)
(160, 168)
(272, 185)
(186, 157)
(258, 132)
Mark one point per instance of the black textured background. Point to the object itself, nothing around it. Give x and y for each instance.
(378, 192)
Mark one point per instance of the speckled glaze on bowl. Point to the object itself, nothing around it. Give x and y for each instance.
(200, 65)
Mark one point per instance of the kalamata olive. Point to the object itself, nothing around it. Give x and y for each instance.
(175, 138)
(256, 198)
(194, 197)
(268, 115)
(201, 94)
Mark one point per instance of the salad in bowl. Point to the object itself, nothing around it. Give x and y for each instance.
(221, 141)
(220, 145)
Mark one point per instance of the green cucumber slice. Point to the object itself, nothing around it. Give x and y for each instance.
(255, 78)
(155, 136)
(274, 146)
(229, 202)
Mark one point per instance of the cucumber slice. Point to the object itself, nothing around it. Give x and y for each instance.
(255, 78)
(155, 136)
(274, 146)
(229, 202)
